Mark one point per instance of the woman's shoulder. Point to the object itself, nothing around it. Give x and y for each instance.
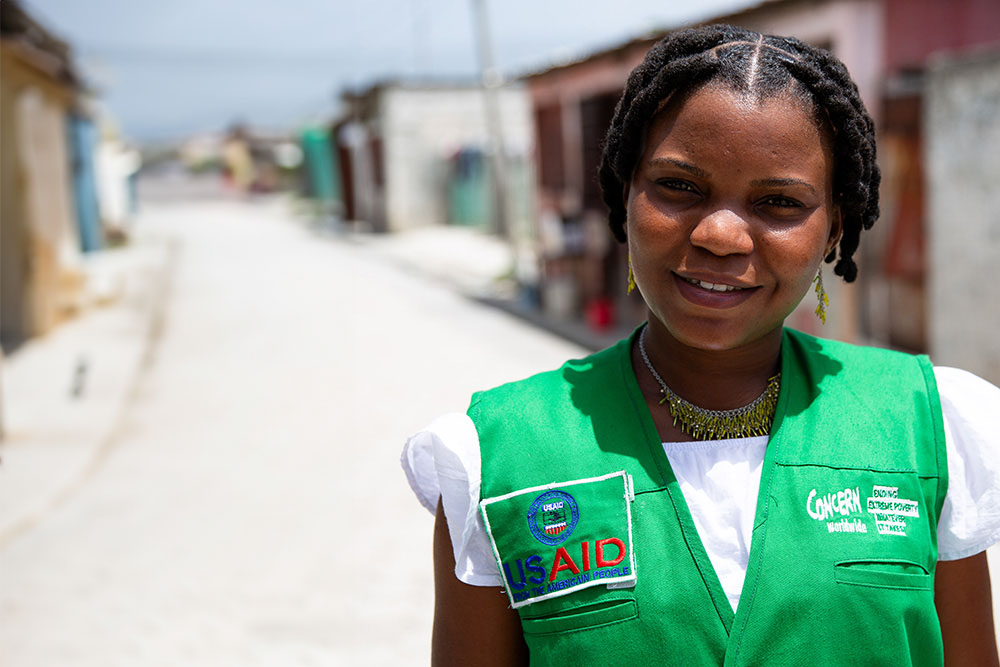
(963, 383)
(970, 407)
(439, 456)
(970, 404)
(951, 380)
(588, 369)
(849, 351)
(442, 461)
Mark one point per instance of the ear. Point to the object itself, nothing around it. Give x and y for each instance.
(626, 191)
(836, 230)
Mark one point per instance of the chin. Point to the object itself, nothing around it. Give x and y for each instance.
(719, 336)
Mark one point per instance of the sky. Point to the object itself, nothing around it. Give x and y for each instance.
(166, 70)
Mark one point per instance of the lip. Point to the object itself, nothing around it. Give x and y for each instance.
(711, 298)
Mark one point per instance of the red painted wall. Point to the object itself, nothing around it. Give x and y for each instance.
(917, 28)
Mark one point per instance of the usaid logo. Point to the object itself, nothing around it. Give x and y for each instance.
(552, 517)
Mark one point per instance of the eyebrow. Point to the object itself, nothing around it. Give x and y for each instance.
(680, 164)
(779, 182)
(701, 173)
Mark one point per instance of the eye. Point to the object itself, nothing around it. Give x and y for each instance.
(780, 201)
(676, 185)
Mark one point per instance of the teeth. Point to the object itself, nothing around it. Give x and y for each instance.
(713, 286)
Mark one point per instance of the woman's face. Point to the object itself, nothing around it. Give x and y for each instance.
(730, 212)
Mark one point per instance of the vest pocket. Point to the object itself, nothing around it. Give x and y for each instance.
(882, 573)
(581, 618)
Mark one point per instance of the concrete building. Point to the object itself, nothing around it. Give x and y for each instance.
(399, 141)
(65, 188)
(896, 278)
(40, 273)
(962, 154)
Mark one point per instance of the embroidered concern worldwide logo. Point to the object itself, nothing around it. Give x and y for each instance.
(552, 517)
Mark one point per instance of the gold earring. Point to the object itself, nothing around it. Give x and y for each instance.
(821, 297)
(631, 277)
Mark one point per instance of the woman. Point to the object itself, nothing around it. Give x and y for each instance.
(717, 489)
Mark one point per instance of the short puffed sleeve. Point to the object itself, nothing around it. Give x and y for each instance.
(442, 461)
(970, 518)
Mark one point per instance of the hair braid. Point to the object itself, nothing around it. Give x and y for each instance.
(856, 178)
(686, 59)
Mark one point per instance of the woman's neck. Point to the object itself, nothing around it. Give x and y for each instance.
(711, 379)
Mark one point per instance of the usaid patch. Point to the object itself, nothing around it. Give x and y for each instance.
(555, 539)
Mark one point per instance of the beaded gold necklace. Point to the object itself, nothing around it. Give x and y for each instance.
(752, 419)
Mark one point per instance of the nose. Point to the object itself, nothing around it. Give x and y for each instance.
(723, 232)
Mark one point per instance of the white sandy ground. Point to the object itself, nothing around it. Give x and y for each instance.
(238, 499)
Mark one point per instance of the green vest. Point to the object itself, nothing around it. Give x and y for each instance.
(844, 547)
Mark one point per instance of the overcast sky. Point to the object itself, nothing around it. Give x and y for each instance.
(171, 68)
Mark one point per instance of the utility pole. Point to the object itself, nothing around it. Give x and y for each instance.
(2, 431)
(491, 80)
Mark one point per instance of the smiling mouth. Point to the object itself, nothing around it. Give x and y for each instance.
(715, 287)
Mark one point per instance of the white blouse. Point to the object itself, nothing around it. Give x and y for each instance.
(720, 481)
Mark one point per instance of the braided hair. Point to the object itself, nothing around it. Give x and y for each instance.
(763, 66)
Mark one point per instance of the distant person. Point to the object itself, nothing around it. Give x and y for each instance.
(237, 160)
(717, 488)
